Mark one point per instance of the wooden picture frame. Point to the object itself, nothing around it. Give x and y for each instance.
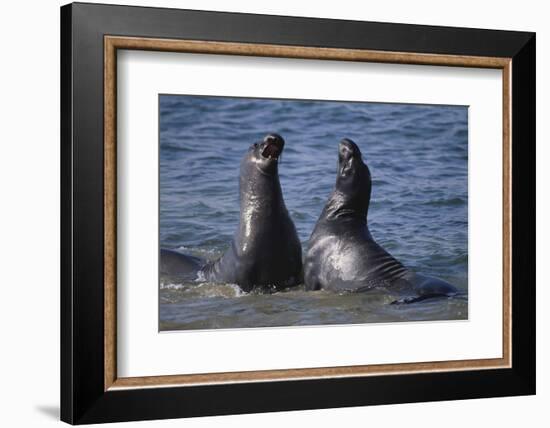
(91, 390)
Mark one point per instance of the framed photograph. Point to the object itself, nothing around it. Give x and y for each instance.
(266, 213)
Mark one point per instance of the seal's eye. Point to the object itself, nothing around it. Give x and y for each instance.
(255, 145)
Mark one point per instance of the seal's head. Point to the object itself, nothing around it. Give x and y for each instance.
(259, 175)
(265, 155)
(353, 183)
(352, 171)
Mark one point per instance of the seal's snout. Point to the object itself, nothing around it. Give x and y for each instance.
(349, 157)
(273, 145)
(348, 149)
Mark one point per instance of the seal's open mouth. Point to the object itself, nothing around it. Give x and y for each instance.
(346, 167)
(272, 151)
(272, 146)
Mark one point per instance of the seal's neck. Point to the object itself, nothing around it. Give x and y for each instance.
(342, 207)
(350, 199)
(260, 194)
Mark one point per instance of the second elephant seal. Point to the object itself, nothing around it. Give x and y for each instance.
(342, 254)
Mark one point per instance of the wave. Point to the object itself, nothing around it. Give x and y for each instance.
(205, 289)
(456, 201)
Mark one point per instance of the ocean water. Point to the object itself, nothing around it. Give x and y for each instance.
(418, 158)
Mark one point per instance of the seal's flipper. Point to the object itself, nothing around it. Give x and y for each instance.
(432, 286)
(174, 264)
(427, 287)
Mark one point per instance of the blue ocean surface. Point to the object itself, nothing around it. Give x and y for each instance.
(418, 158)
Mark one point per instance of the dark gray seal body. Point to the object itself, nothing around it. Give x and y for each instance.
(342, 254)
(265, 250)
(178, 267)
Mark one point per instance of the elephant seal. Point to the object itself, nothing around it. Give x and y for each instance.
(265, 250)
(176, 266)
(342, 254)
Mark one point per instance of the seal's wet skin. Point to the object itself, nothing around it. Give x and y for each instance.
(178, 267)
(265, 250)
(342, 254)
